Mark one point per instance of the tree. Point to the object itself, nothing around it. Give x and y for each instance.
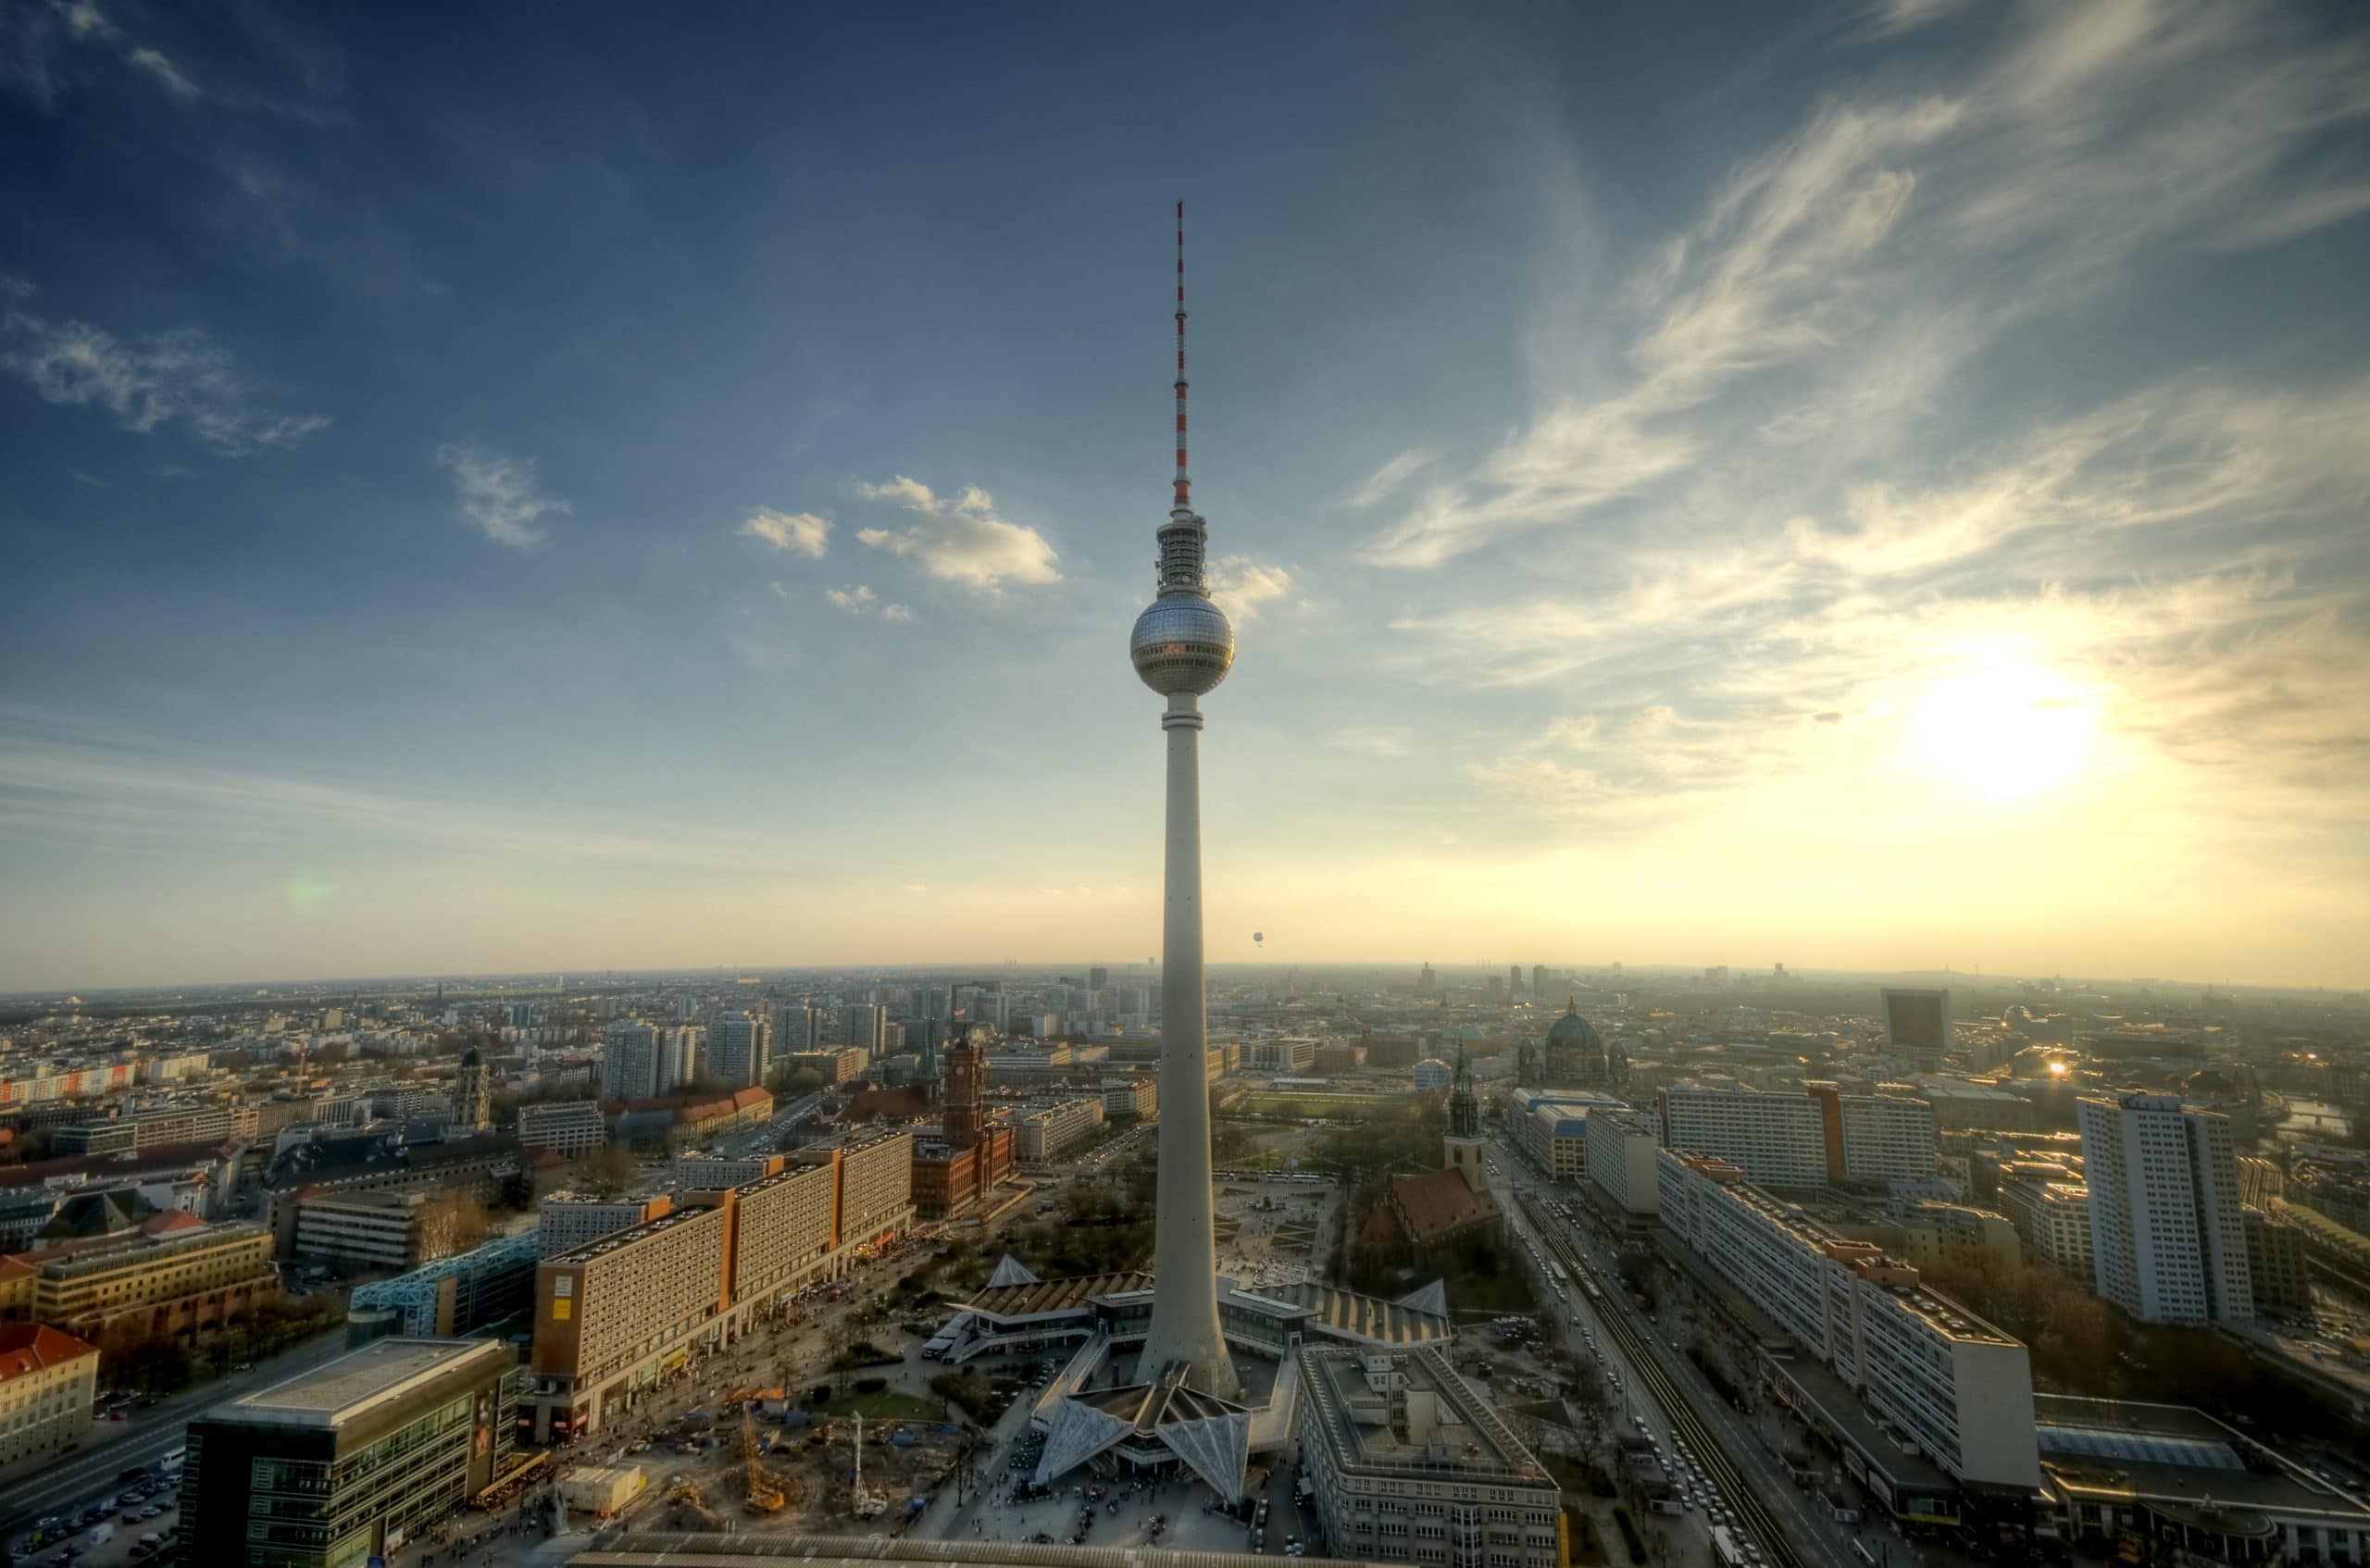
(451, 1222)
(609, 1170)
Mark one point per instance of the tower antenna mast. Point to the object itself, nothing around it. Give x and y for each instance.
(1184, 503)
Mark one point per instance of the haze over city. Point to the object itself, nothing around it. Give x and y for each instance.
(1864, 486)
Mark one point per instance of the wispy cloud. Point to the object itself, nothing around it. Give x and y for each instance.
(145, 384)
(1244, 587)
(858, 599)
(154, 62)
(38, 43)
(497, 496)
(1385, 481)
(960, 537)
(801, 533)
(1893, 235)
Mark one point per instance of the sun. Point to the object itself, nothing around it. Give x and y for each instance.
(2005, 730)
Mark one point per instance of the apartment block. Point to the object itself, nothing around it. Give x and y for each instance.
(781, 1227)
(1622, 1159)
(1131, 1097)
(635, 1299)
(2168, 1237)
(1815, 1139)
(1952, 1385)
(2276, 1273)
(566, 1221)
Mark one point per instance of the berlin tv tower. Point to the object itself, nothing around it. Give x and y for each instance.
(1182, 648)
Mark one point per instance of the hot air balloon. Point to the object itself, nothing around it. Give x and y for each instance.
(1257, 937)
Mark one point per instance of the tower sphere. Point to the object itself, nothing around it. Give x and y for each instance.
(1182, 643)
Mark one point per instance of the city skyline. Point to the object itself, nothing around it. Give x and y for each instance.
(1873, 488)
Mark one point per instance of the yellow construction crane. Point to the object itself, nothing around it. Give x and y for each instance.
(765, 1494)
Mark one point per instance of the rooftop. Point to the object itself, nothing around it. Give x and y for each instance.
(1373, 1431)
(29, 1346)
(2177, 1455)
(344, 1390)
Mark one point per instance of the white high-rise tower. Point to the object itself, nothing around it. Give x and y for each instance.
(1182, 647)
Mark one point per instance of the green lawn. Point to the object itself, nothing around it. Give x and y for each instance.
(890, 1404)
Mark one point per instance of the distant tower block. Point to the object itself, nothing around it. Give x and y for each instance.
(472, 1094)
(1917, 1024)
(1182, 647)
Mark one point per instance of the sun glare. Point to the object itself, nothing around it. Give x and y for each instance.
(2004, 730)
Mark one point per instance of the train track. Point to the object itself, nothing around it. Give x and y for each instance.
(1678, 1411)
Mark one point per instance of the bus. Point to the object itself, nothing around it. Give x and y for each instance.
(1725, 1551)
(1555, 1272)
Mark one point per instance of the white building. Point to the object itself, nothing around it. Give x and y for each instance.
(2168, 1239)
(1885, 1138)
(1776, 1140)
(1549, 1128)
(1622, 1158)
(629, 1061)
(736, 1048)
(1809, 1139)
(1046, 1132)
(1956, 1389)
(2053, 1217)
(1131, 1097)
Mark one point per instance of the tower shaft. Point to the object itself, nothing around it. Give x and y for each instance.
(1185, 1305)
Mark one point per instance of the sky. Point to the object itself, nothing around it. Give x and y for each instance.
(1872, 485)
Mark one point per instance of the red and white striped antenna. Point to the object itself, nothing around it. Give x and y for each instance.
(1184, 504)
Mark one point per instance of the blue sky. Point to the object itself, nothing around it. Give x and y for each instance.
(1872, 486)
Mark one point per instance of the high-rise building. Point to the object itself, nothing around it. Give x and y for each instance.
(864, 1026)
(1917, 1024)
(1514, 979)
(2169, 1238)
(1538, 976)
(678, 1057)
(629, 1061)
(1097, 977)
(1182, 647)
(736, 1048)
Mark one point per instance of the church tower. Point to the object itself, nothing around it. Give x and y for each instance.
(1463, 1146)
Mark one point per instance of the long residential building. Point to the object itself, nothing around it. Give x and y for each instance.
(1409, 1464)
(1815, 1138)
(565, 1221)
(1940, 1379)
(208, 1122)
(2168, 1237)
(617, 1313)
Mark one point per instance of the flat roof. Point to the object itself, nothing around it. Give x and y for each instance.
(342, 1391)
(1471, 1443)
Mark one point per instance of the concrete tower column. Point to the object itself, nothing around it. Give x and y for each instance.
(1185, 1311)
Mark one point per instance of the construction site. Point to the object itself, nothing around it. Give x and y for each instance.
(753, 1462)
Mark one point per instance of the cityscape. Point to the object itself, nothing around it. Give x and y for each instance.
(1756, 957)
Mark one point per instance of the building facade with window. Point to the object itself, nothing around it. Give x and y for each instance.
(1411, 1464)
(351, 1459)
(48, 1382)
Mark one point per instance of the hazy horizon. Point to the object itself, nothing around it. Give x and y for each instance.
(1871, 487)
